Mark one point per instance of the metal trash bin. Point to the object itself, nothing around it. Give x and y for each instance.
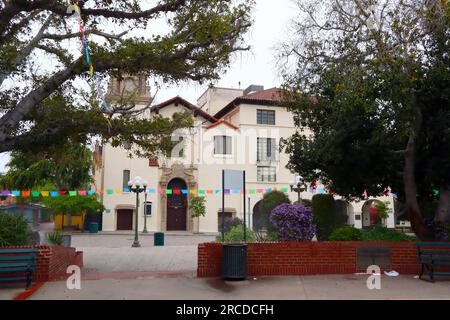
(234, 261)
(93, 227)
(159, 239)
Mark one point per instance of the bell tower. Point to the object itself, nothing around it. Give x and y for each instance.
(129, 85)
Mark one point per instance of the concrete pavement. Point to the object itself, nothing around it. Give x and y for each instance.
(103, 253)
(284, 288)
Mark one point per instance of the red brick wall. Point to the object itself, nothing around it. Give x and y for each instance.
(305, 258)
(52, 261)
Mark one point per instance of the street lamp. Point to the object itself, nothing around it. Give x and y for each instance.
(145, 208)
(298, 185)
(137, 186)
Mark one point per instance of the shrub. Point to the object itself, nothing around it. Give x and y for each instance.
(55, 237)
(14, 230)
(236, 234)
(325, 216)
(230, 223)
(269, 202)
(346, 233)
(293, 222)
(385, 234)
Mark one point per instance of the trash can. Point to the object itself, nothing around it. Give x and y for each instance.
(234, 263)
(93, 227)
(159, 239)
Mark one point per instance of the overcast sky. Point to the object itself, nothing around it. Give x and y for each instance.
(254, 67)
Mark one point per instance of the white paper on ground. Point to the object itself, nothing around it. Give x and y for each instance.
(391, 273)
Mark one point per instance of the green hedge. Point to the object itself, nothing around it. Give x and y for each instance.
(236, 234)
(348, 233)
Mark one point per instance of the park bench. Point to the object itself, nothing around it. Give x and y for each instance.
(17, 265)
(431, 255)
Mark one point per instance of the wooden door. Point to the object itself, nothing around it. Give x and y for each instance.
(177, 206)
(125, 219)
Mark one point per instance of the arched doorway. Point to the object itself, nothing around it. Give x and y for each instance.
(177, 206)
(258, 221)
(369, 214)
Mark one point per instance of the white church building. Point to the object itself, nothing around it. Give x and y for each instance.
(233, 129)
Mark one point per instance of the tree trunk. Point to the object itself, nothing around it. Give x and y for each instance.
(409, 182)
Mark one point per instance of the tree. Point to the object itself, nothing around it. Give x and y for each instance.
(67, 166)
(40, 105)
(198, 208)
(269, 202)
(372, 85)
(73, 205)
(325, 216)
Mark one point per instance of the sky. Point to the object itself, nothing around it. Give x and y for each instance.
(258, 66)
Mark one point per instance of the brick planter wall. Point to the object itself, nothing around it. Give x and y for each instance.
(305, 258)
(52, 261)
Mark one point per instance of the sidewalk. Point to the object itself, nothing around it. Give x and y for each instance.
(285, 288)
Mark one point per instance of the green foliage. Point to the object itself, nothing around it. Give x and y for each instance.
(324, 215)
(55, 237)
(73, 205)
(14, 230)
(66, 166)
(382, 209)
(374, 96)
(231, 222)
(197, 206)
(236, 234)
(346, 233)
(269, 202)
(384, 234)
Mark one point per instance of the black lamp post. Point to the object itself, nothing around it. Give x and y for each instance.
(137, 186)
(298, 185)
(145, 210)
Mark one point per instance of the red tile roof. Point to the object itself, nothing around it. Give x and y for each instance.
(224, 122)
(187, 104)
(270, 97)
(273, 94)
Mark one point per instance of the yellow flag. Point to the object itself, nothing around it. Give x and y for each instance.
(45, 193)
(193, 191)
(119, 190)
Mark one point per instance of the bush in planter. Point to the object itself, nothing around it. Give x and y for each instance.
(293, 222)
(230, 223)
(236, 234)
(346, 233)
(14, 230)
(385, 234)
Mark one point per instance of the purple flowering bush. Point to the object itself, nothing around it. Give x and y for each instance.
(293, 222)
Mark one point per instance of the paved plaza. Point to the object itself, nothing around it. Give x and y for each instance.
(284, 288)
(113, 252)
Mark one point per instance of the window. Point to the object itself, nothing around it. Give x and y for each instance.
(267, 149)
(265, 116)
(222, 145)
(267, 174)
(126, 178)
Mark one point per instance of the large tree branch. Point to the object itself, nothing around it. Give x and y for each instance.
(23, 54)
(88, 32)
(17, 113)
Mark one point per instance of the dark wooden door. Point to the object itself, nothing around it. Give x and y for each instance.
(177, 206)
(124, 219)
